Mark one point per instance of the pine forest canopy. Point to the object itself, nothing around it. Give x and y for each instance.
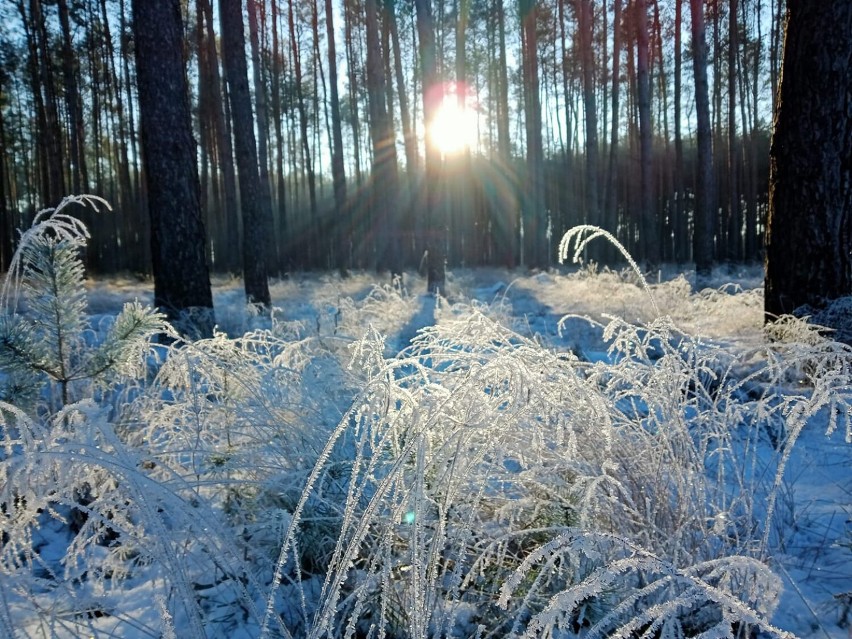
(547, 114)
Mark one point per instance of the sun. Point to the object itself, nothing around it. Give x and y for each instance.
(453, 128)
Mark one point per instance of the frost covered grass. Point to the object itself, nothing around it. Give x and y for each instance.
(365, 462)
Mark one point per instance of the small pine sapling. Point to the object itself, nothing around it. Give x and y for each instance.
(43, 321)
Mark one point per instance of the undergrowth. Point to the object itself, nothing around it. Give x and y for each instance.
(301, 481)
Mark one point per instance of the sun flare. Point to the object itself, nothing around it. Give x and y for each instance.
(454, 126)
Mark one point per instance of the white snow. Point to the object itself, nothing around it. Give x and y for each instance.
(296, 404)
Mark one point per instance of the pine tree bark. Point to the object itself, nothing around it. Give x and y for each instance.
(181, 278)
(507, 215)
(384, 171)
(435, 214)
(735, 221)
(702, 240)
(535, 217)
(610, 219)
(7, 226)
(76, 140)
(809, 230)
(257, 224)
(352, 63)
(650, 233)
(262, 117)
(681, 227)
(279, 213)
(230, 253)
(49, 156)
(338, 170)
(409, 139)
(305, 138)
(585, 18)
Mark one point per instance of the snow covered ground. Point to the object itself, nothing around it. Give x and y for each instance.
(565, 313)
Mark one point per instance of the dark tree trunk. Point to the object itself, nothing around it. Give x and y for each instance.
(752, 241)
(585, 18)
(610, 219)
(256, 221)
(338, 171)
(352, 63)
(384, 170)
(649, 232)
(702, 240)
(76, 141)
(48, 136)
(7, 226)
(434, 215)
(230, 258)
(181, 279)
(303, 129)
(681, 225)
(735, 221)
(279, 213)
(507, 215)
(409, 136)
(535, 220)
(503, 140)
(809, 233)
(404, 115)
(261, 111)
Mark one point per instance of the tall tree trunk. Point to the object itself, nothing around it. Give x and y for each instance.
(585, 17)
(49, 157)
(126, 31)
(279, 213)
(752, 242)
(735, 251)
(535, 217)
(665, 180)
(318, 80)
(703, 234)
(649, 233)
(409, 139)
(119, 126)
(262, 117)
(181, 279)
(352, 63)
(504, 220)
(7, 226)
(776, 42)
(76, 140)
(383, 194)
(435, 214)
(610, 221)
(681, 226)
(303, 129)
(338, 171)
(257, 224)
(230, 250)
(95, 100)
(504, 140)
(810, 192)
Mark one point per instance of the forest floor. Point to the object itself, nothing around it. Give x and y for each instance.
(531, 362)
(813, 539)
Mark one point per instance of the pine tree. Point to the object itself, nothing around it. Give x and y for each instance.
(44, 334)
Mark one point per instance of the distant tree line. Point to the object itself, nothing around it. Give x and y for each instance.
(650, 118)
